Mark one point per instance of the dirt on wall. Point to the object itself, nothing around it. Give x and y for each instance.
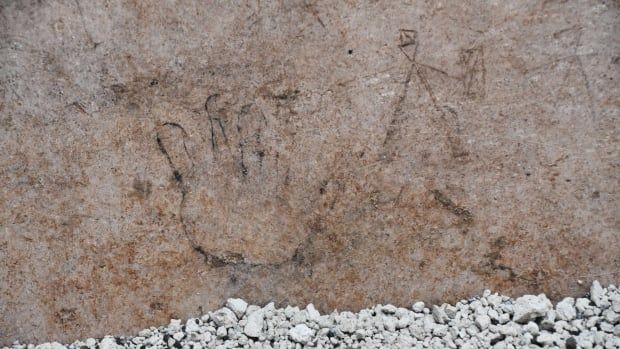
(159, 157)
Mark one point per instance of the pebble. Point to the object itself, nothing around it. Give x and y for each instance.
(301, 334)
(545, 338)
(483, 321)
(597, 295)
(108, 342)
(529, 307)
(175, 325)
(439, 314)
(313, 314)
(531, 327)
(254, 325)
(192, 326)
(565, 310)
(52, 345)
(418, 307)
(488, 321)
(237, 305)
(388, 309)
(224, 317)
(221, 332)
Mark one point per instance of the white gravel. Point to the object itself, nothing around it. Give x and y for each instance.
(489, 321)
(530, 307)
(238, 306)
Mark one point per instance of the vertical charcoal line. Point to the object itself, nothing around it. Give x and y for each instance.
(211, 99)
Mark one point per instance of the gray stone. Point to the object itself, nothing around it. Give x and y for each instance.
(548, 322)
(174, 325)
(597, 295)
(586, 339)
(418, 307)
(440, 330)
(403, 323)
(582, 304)
(221, 332)
(510, 329)
(439, 315)
(313, 314)
(483, 321)
(560, 326)
(53, 345)
(504, 318)
(531, 327)
(348, 323)
(108, 342)
(389, 324)
(301, 334)
(493, 314)
(578, 324)
(238, 306)
(494, 300)
(192, 326)
(592, 321)
(224, 317)
(254, 325)
(450, 310)
(607, 327)
(388, 309)
(565, 310)
(252, 308)
(529, 307)
(546, 338)
(611, 316)
(614, 298)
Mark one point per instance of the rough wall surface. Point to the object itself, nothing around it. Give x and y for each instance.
(159, 157)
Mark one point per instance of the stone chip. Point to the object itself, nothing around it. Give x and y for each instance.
(529, 307)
